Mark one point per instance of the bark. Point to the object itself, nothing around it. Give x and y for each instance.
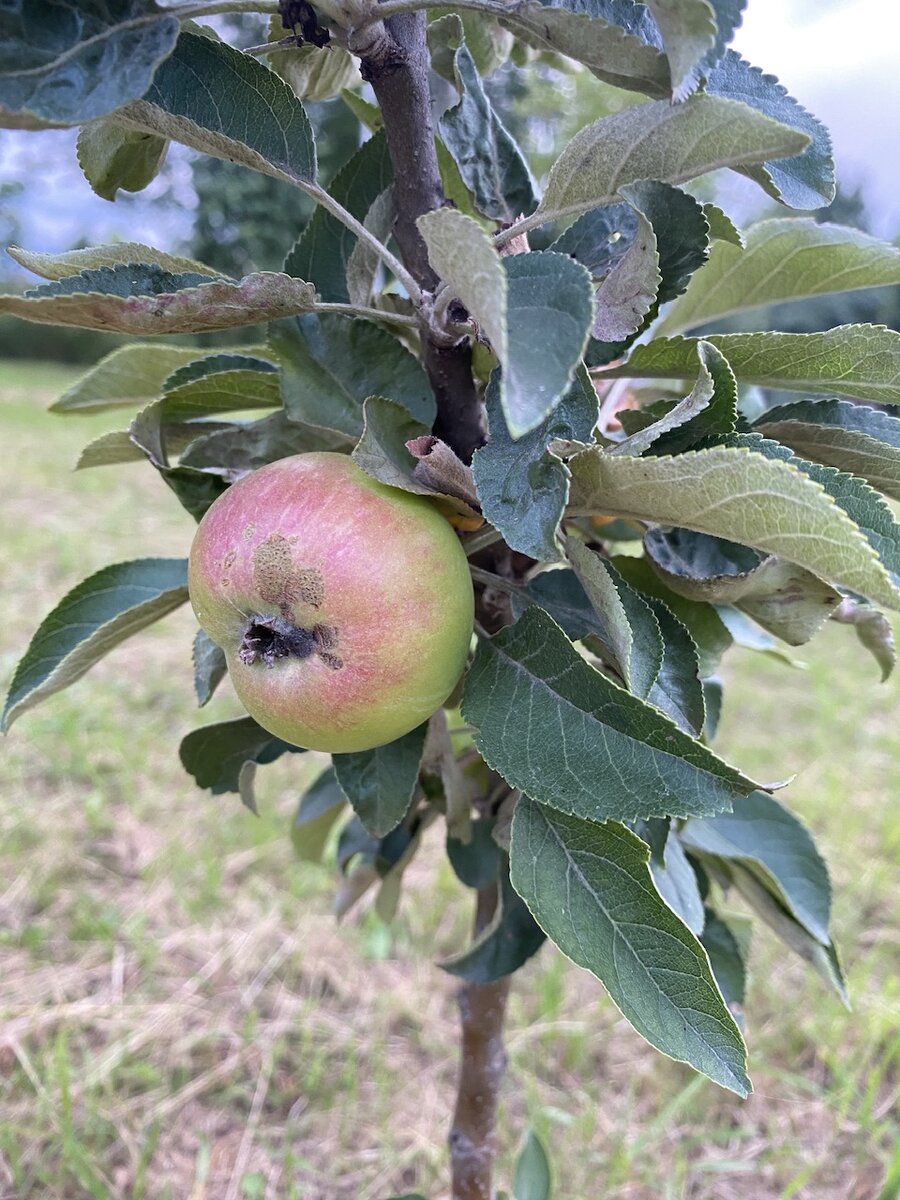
(396, 63)
(472, 1140)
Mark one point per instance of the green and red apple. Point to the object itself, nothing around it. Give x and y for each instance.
(344, 606)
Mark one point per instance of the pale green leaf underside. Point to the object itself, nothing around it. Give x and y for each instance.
(741, 496)
(688, 29)
(113, 157)
(669, 143)
(589, 887)
(785, 259)
(612, 54)
(861, 361)
(130, 376)
(466, 261)
(90, 258)
(100, 612)
(783, 598)
(219, 304)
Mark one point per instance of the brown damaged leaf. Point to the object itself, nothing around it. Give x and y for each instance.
(220, 304)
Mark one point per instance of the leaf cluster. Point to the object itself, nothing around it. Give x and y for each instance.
(628, 516)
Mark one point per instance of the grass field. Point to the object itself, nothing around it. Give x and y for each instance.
(183, 1020)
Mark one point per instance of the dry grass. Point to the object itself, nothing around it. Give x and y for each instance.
(183, 1018)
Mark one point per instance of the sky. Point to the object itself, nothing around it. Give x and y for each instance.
(840, 58)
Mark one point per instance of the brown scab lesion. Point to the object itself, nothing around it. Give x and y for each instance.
(279, 581)
(326, 639)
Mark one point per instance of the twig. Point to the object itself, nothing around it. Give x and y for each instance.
(338, 211)
(481, 540)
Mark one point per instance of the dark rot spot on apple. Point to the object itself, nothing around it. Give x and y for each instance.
(266, 639)
(279, 581)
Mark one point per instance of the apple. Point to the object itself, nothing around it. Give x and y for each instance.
(344, 606)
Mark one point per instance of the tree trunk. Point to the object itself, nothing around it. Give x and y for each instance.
(472, 1140)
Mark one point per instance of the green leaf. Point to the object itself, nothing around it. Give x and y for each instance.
(324, 248)
(510, 939)
(522, 486)
(670, 143)
(740, 496)
(710, 410)
(331, 364)
(232, 388)
(223, 757)
(532, 1178)
(130, 376)
(873, 630)
(550, 308)
(630, 289)
(702, 621)
(599, 239)
(382, 453)
(632, 640)
(91, 258)
(210, 667)
(784, 599)
(725, 958)
(218, 363)
(786, 259)
(681, 229)
(678, 690)
(465, 260)
(145, 299)
(364, 263)
(721, 226)
(108, 450)
(593, 749)
(688, 29)
(853, 437)
(589, 887)
(609, 39)
(488, 43)
(535, 309)
(233, 452)
(773, 845)
(102, 611)
(380, 783)
(113, 157)
(319, 808)
(489, 161)
(65, 63)
(822, 958)
(802, 180)
(476, 863)
(244, 114)
(676, 882)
